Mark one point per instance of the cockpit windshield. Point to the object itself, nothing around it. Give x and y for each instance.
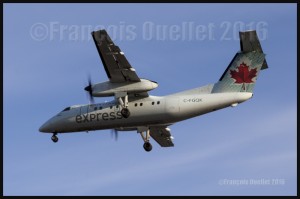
(66, 109)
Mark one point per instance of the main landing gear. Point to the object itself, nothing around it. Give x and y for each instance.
(123, 101)
(125, 112)
(147, 145)
(54, 138)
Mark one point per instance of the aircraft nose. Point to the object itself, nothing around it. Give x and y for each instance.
(46, 127)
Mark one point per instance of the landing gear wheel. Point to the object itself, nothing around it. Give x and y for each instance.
(125, 112)
(54, 138)
(147, 146)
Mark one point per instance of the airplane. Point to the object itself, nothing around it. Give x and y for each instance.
(133, 109)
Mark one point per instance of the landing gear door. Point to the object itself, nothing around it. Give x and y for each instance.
(117, 108)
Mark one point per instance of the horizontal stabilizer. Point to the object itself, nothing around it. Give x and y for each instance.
(242, 72)
(249, 42)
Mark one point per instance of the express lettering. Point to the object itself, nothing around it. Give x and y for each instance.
(98, 116)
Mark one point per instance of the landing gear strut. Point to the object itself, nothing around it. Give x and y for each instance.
(147, 145)
(123, 101)
(54, 138)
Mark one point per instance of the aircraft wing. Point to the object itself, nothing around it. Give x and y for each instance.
(115, 63)
(162, 136)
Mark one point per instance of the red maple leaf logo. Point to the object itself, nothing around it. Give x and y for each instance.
(243, 74)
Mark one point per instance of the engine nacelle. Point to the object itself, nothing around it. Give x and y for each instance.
(106, 89)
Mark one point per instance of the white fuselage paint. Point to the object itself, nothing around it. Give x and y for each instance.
(166, 110)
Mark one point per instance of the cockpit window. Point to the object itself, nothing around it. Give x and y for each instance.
(66, 109)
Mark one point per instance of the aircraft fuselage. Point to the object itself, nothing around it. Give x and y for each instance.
(149, 111)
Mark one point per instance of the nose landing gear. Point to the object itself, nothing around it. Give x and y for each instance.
(54, 138)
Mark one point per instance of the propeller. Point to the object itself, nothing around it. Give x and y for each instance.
(114, 133)
(89, 89)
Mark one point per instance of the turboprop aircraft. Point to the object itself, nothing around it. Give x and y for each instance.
(133, 109)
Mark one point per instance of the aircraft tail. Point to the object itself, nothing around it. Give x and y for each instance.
(242, 72)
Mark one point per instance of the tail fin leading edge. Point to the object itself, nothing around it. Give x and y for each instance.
(241, 74)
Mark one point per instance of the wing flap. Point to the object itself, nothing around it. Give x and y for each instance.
(162, 136)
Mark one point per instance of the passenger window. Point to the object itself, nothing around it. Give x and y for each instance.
(158, 102)
(152, 103)
(135, 104)
(100, 107)
(110, 107)
(117, 106)
(141, 104)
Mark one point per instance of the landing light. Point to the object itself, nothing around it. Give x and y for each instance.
(234, 105)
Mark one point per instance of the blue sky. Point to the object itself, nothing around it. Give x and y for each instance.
(48, 53)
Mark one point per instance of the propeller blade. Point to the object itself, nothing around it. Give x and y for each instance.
(89, 89)
(114, 133)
